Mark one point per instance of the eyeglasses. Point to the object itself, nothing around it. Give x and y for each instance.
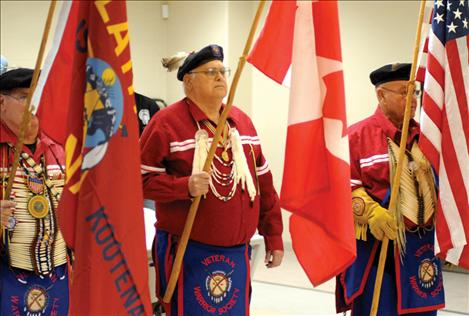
(213, 72)
(417, 93)
(20, 99)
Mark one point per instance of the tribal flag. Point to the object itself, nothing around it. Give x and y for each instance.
(86, 103)
(316, 179)
(445, 124)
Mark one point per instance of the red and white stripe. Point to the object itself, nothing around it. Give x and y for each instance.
(370, 161)
(253, 140)
(263, 169)
(51, 56)
(144, 169)
(355, 183)
(426, 27)
(189, 144)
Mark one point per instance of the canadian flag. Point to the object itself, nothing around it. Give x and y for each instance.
(300, 47)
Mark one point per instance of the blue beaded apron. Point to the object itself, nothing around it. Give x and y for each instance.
(213, 280)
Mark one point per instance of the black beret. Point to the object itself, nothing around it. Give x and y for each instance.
(16, 78)
(391, 72)
(195, 59)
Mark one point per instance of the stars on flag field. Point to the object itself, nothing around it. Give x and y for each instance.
(454, 14)
(457, 14)
(439, 17)
(452, 28)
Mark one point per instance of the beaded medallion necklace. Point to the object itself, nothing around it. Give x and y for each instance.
(236, 162)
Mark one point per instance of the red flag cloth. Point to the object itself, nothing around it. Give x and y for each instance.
(445, 124)
(316, 179)
(87, 104)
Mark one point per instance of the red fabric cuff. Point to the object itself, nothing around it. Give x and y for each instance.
(181, 188)
(273, 242)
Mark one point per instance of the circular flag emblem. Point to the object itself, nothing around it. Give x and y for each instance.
(358, 206)
(103, 111)
(38, 206)
(104, 103)
(218, 284)
(428, 272)
(36, 299)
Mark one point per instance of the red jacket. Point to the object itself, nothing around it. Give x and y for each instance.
(167, 146)
(369, 159)
(53, 153)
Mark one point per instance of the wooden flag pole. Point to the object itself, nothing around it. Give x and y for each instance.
(182, 245)
(397, 176)
(27, 111)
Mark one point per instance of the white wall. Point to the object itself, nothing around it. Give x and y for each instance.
(148, 42)
(21, 28)
(373, 33)
(192, 25)
(240, 17)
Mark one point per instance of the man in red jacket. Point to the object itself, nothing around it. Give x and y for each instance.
(412, 281)
(238, 193)
(33, 261)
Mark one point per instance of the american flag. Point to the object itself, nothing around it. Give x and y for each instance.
(445, 123)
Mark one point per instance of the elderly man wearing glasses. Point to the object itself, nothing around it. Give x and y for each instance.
(33, 254)
(238, 193)
(412, 281)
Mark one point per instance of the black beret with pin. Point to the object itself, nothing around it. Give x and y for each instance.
(391, 72)
(203, 56)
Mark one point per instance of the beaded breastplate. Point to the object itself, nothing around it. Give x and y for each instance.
(35, 243)
(415, 209)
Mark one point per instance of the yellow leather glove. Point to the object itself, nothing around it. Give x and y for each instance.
(382, 223)
(367, 212)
